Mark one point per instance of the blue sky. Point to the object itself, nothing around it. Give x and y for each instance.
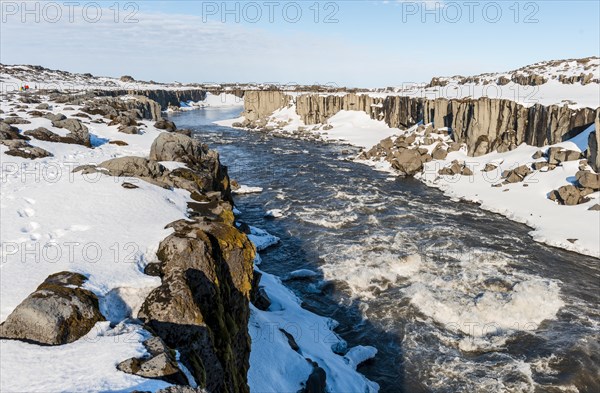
(349, 43)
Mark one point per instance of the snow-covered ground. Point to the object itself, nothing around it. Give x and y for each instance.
(15, 76)
(55, 220)
(221, 100)
(357, 128)
(552, 92)
(573, 228)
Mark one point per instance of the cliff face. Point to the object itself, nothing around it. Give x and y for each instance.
(472, 121)
(594, 146)
(260, 104)
(163, 97)
(153, 100)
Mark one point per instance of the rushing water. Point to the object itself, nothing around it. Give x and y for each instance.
(455, 299)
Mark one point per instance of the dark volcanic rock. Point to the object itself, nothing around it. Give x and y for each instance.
(16, 120)
(58, 312)
(20, 148)
(79, 133)
(8, 132)
(166, 125)
(556, 155)
(407, 161)
(177, 147)
(160, 364)
(588, 179)
(566, 195)
(201, 309)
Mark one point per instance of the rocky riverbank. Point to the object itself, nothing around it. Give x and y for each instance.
(121, 252)
(479, 123)
(196, 319)
(550, 151)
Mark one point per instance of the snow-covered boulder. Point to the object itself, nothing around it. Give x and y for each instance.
(58, 312)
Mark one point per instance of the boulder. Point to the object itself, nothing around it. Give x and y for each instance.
(439, 153)
(516, 175)
(593, 151)
(60, 311)
(104, 110)
(79, 133)
(541, 165)
(409, 140)
(125, 119)
(317, 380)
(133, 167)
(387, 143)
(164, 124)
(588, 179)
(407, 161)
(453, 169)
(426, 158)
(43, 106)
(55, 116)
(16, 120)
(159, 364)
(556, 155)
(177, 147)
(566, 195)
(129, 186)
(20, 148)
(43, 134)
(454, 146)
(129, 130)
(489, 167)
(262, 300)
(8, 132)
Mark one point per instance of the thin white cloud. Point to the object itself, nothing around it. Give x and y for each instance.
(181, 47)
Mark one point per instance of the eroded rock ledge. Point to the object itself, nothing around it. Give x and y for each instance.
(198, 316)
(476, 122)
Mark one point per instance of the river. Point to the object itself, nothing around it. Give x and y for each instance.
(454, 298)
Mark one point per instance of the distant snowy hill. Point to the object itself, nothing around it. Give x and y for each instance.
(572, 82)
(571, 71)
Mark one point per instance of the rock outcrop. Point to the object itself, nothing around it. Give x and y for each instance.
(594, 145)
(469, 119)
(18, 145)
(58, 312)
(160, 363)
(78, 133)
(260, 104)
(112, 107)
(164, 98)
(202, 307)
